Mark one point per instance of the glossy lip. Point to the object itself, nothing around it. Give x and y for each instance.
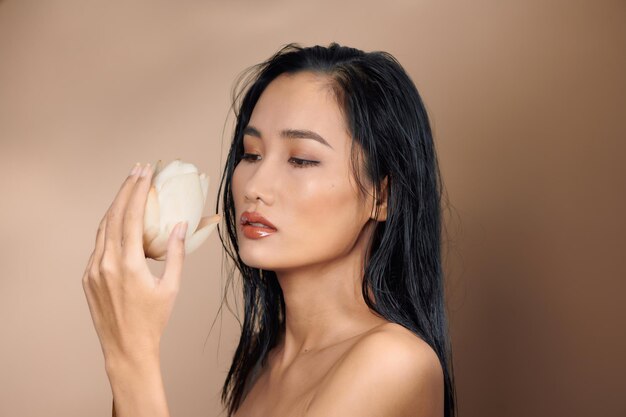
(254, 217)
(256, 232)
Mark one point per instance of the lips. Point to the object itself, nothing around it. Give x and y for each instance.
(256, 220)
(255, 226)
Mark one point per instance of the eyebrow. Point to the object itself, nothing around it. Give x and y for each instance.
(290, 134)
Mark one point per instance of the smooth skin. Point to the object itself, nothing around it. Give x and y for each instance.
(336, 358)
(129, 306)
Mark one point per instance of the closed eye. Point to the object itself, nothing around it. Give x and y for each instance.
(249, 157)
(296, 162)
(301, 163)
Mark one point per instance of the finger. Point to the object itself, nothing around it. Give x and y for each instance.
(87, 285)
(87, 268)
(172, 272)
(96, 256)
(132, 228)
(115, 214)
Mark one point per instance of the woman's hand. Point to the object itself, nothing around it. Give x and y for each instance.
(129, 306)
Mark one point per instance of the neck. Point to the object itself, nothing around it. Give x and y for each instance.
(324, 305)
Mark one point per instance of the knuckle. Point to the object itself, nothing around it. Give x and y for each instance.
(111, 215)
(130, 264)
(93, 273)
(86, 274)
(91, 284)
(129, 219)
(89, 288)
(107, 267)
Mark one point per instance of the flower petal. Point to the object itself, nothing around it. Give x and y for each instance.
(153, 252)
(180, 199)
(157, 249)
(204, 184)
(158, 167)
(206, 226)
(174, 168)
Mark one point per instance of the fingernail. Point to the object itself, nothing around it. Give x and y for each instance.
(182, 230)
(145, 170)
(135, 169)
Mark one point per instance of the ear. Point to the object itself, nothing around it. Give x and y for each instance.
(381, 201)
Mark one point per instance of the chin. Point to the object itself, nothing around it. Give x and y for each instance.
(255, 258)
(266, 261)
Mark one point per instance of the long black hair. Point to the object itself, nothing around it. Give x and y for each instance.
(403, 272)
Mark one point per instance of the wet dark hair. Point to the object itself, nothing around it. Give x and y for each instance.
(387, 119)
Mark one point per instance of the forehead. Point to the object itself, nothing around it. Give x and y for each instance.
(303, 100)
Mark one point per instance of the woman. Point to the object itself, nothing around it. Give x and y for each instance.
(331, 201)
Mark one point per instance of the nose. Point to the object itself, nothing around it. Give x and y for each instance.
(259, 185)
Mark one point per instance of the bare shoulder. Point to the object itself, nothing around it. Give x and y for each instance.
(389, 371)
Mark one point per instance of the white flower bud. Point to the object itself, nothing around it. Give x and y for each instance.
(177, 193)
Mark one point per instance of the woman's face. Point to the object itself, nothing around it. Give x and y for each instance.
(314, 206)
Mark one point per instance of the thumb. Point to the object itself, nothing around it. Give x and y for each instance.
(175, 256)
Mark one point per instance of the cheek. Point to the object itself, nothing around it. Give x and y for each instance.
(237, 183)
(324, 211)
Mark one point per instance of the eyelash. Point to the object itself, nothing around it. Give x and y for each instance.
(301, 163)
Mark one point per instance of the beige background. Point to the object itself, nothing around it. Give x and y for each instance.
(527, 101)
